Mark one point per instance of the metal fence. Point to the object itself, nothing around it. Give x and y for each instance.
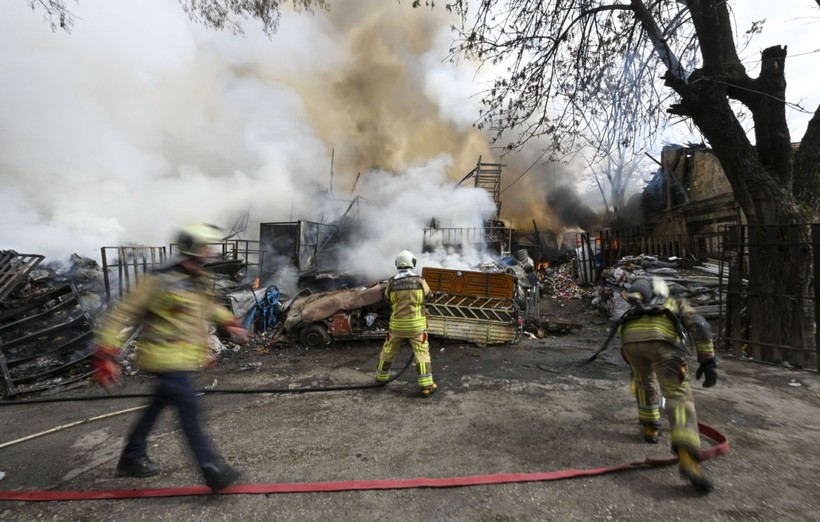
(745, 316)
(129, 263)
(737, 249)
(124, 266)
(497, 239)
(600, 250)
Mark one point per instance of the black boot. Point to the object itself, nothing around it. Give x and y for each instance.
(690, 469)
(428, 391)
(219, 475)
(651, 434)
(140, 467)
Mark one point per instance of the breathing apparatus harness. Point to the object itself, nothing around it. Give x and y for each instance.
(656, 305)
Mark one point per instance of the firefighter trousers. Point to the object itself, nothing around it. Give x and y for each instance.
(421, 353)
(659, 363)
(173, 389)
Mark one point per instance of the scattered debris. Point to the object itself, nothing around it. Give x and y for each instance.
(699, 284)
(46, 326)
(559, 325)
(13, 269)
(47, 321)
(560, 282)
(346, 314)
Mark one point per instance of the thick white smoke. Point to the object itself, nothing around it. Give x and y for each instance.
(398, 209)
(140, 121)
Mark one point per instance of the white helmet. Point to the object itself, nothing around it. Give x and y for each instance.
(192, 238)
(405, 259)
(660, 289)
(645, 292)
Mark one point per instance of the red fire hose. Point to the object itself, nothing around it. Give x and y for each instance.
(720, 448)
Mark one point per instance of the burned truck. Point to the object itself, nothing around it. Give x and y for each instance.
(475, 306)
(478, 307)
(317, 319)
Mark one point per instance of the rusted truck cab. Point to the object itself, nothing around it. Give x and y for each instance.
(340, 315)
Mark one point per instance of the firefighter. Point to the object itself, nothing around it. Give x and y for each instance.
(653, 333)
(406, 292)
(174, 307)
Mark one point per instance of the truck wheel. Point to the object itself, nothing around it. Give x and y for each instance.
(314, 336)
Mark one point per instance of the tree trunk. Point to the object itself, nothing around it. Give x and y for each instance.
(807, 170)
(618, 198)
(776, 282)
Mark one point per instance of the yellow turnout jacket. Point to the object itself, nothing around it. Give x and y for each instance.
(405, 292)
(174, 309)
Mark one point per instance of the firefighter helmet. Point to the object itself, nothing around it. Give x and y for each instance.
(646, 292)
(660, 290)
(640, 291)
(192, 238)
(405, 259)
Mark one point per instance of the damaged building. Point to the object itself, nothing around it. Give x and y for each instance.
(690, 198)
(692, 220)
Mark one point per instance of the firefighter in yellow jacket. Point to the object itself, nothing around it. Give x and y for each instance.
(653, 334)
(174, 307)
(408, 322)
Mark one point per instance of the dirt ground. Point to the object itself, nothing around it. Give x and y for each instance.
(528, 407)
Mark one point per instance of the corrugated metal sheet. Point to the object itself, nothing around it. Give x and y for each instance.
(469, 283)
(478, 320)
(472, 330)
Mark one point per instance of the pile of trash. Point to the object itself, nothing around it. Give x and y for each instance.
(560, 282)
(49, 313)
(47, 323)
(699, 284)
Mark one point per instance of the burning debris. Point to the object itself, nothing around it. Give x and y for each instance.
(48, 315)
(303, 282)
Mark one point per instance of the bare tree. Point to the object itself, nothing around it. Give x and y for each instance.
(611, 136)
(557, 53)
(617, 169)
(221, 15)
(56, 13)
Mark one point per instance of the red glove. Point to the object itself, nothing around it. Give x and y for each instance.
(107, 371)
(236, 330)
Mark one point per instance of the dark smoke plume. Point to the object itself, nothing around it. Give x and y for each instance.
(567, 206)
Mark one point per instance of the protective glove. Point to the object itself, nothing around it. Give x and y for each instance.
(107, 370)
(237, 332)
(107, 373)
(707, 368)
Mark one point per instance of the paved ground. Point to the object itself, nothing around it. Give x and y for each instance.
(520, 408)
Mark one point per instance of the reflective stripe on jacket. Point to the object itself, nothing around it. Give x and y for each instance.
(659, 327)
(405, 292)
(174, 309)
